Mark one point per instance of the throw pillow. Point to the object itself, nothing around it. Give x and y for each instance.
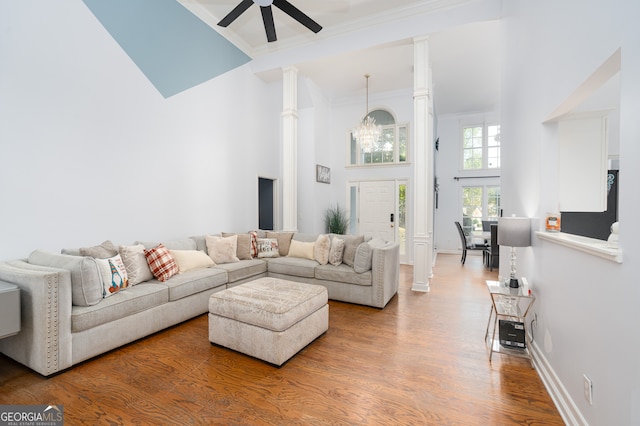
(284, 240)
(103, 251)
(321, 249)
(268, 247)
(163, 266)
(86, 282)
(243, 249)
(336, 251)
(301, 250)
(114, 275)
(351, 243)
(222, 249)
(254, 243)
(135, 263)
(191, 259)
(362, 260)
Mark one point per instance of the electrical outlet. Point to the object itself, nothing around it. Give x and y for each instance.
(588, 389)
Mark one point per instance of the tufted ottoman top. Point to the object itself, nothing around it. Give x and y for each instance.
(270, 303)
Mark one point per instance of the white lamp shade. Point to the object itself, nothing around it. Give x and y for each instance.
(514, 231)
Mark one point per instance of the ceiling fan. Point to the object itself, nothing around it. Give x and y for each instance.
(267, 15)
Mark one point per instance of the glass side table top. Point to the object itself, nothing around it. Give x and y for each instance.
(502, 288)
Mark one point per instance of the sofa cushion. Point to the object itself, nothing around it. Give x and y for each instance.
(268, 248)
(336, 251)
(179, 244)
(305, 238)
(364, 254)
(123, 304)
(321, 249)
(114, 275)
(284, 241)
(86, 282)
(343, 273)
(191, 259)
(135, 263)
(293, 266)
(362, 261)
(102, 251)
(162, 264)
(222, 249)
(194, 281)
(301, 250)
(351, 243)
(244, 269)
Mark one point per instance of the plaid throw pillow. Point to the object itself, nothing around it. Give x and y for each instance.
(254, 243)
(162, 264)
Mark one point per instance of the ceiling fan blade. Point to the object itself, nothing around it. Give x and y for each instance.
(297, 14)
(269, 27)
(237, 11)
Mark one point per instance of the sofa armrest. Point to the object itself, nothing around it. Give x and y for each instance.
(385, 271)
(44, 341)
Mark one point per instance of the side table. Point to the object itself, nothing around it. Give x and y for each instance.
(9, 309)
(510, 304)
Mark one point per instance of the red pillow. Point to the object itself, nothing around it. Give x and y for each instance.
(162, 264)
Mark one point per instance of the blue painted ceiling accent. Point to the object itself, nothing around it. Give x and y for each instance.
(170, 45)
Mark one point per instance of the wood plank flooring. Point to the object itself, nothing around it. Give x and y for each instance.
(420, 361)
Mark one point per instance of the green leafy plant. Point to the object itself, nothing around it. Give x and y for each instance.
(336, 220)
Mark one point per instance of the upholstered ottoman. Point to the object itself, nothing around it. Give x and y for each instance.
(268, 318)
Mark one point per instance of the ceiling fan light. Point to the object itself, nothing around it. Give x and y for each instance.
(263, 3)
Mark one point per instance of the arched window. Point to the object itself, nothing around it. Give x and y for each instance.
(392, 146)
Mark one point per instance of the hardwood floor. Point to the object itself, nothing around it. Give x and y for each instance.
(420, 361)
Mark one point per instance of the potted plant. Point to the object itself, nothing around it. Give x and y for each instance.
(336, 220)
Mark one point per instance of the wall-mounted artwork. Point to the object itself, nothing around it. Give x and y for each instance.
(323, 174)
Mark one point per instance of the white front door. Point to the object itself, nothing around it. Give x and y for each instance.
(378, 216)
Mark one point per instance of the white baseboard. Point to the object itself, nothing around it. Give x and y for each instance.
(563, 401)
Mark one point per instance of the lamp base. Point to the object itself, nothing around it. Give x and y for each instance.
(513, 283)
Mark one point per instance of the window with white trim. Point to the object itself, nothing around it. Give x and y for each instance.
(479, 203)
(481, 147)
(391, 148)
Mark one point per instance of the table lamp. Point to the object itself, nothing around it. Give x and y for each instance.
(514, 232)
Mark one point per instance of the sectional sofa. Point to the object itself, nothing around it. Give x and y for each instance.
(70, 311)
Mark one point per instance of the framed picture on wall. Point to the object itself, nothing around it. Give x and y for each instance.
(323, 174)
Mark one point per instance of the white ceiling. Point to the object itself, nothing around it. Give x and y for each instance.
(465, 59)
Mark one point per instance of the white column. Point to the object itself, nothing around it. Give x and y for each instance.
(290, 149)
(423, 167)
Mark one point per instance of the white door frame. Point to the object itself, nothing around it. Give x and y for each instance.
(405, 258)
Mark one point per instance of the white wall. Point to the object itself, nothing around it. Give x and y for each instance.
(586, 306)
(91, 151)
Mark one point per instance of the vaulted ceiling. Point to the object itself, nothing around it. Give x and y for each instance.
(465, 59)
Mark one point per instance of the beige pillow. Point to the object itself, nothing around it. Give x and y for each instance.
(321, 249)
(362, 260)
(336, 251)
(301, 249)
(222, 249)
(351, 243)
(284, 240)
(135, 263)
(243, 250)
(191, 259)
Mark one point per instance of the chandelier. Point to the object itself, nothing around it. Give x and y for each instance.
(368, 132)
